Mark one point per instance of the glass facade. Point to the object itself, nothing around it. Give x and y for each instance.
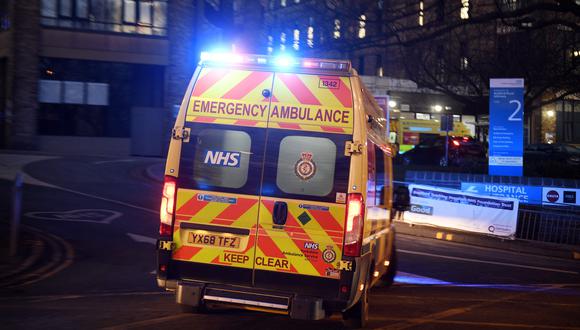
(147, 17)
(90, 98)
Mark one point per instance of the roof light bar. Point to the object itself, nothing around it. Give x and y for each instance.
(280, 61)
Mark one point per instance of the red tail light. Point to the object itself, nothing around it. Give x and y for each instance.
(353, 229)
(167, 206)
(456, 143)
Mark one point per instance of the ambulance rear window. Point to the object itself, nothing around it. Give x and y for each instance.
(306, 165)
(222, 158)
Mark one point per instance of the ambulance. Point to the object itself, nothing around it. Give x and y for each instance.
(278, 190)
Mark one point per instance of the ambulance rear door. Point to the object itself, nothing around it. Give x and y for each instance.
(305, 184)
(219, 175)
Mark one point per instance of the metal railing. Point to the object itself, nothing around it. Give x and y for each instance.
(549, 225)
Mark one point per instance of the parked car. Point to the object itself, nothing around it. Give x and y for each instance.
(560, 153)
(462, 150)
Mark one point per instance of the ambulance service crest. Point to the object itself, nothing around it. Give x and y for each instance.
(329, 255)
(305, 168)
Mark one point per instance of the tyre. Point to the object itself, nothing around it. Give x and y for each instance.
(357, 316)
(388, 278)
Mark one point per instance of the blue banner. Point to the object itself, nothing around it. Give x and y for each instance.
(525, 194)
(506, 126)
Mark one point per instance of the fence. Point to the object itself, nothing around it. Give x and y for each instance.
(549, 225)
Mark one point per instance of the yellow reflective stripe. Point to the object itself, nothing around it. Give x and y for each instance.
(222, 86)
(283, 94)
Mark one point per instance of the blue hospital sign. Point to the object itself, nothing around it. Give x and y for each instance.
(506, 126)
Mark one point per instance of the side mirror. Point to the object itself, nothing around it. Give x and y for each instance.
(401, 198)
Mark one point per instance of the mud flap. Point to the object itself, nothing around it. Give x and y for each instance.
(188, 294)
(307, 308)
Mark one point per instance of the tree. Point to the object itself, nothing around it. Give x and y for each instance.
(455, 47)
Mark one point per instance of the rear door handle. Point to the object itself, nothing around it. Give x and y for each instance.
(280, 213)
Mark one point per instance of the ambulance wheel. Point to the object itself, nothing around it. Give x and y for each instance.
(357, 316)
(389, 277)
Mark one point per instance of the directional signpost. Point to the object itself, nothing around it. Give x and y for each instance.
(506, 113)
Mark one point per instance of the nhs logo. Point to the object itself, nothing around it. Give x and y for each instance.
(222, 158)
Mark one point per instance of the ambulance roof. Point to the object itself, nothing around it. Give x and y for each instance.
(277, 63)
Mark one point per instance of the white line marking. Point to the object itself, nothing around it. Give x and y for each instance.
(142, 239)
(488, 262)
(101, 216)
(108, 200)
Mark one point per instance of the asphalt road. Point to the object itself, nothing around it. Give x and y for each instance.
(98, 219)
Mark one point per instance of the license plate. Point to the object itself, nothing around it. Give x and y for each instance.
(219, 240)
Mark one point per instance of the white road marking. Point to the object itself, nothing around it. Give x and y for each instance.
(11, 164)
(488, 262)
(142, 239)
(84, 215)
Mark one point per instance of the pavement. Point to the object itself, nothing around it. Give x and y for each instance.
(41, 251)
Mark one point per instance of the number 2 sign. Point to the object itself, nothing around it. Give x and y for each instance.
(506, 115)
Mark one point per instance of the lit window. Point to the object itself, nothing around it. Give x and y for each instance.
(336, 33)
(270, 45)
(464, 63)
(282, 41)
(575, 53)
(283, 3)
(362, 32)
(421, 13)
(310, 37)
(464, 12)
(380, 72)
(296, 43)
(422, 116)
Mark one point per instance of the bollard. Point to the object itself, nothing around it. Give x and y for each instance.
(16, 209)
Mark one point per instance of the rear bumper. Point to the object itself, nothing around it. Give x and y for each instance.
(296, 306)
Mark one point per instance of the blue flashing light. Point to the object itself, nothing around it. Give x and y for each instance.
(284, 61)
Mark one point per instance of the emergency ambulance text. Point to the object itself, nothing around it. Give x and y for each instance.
(308, 114)
(230, 108)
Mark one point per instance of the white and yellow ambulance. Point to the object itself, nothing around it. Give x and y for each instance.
(278, 188)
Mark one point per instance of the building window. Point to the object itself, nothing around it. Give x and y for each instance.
(464, 11)
(422, 116)
(336, 34)
(362, 31)
(421, 13)
(464, 64)
(282, 3)
(379, 66)
(310, 37)
(296, 43)
(282, 41)
(124, 16)
(270, 45)
(510, 5)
